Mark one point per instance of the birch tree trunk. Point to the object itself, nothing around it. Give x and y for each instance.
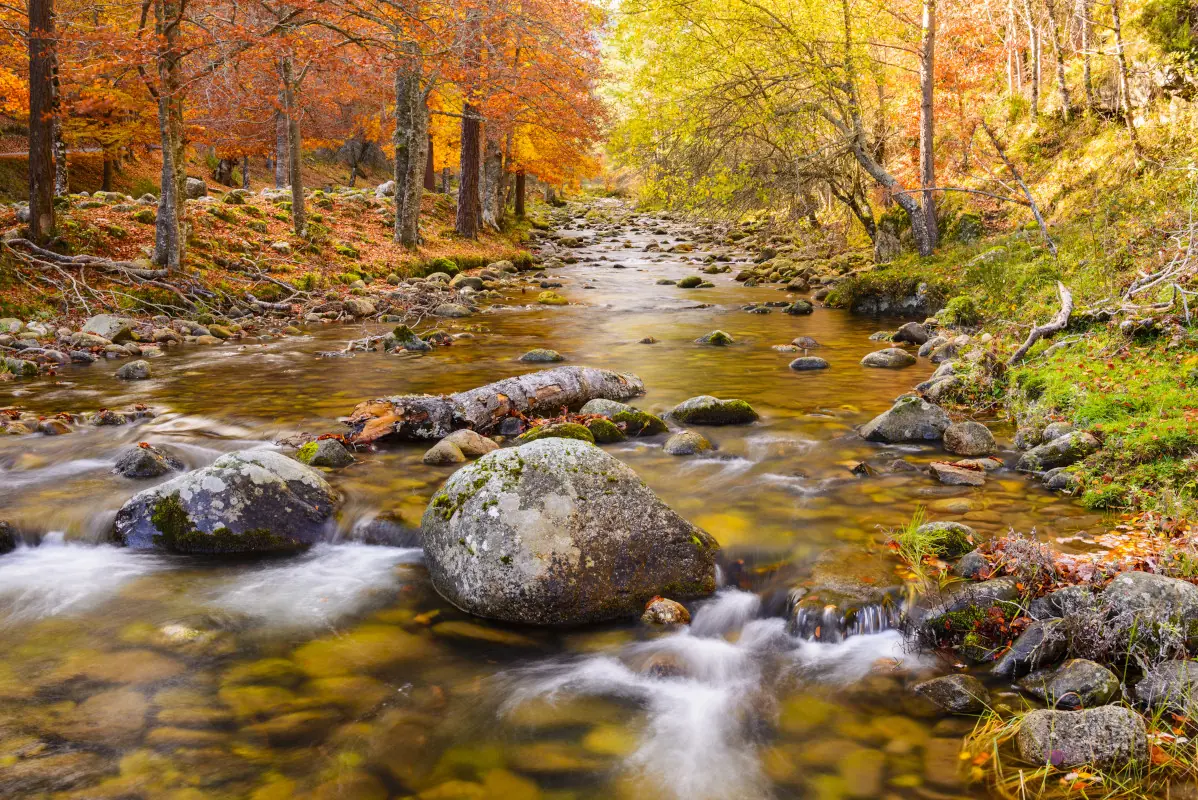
(1033, 39)
(1083, 7)
(41, 110)
(299, 219)
(492, 169)
(1059, 56)
(467, 215)
(927, 120)
(61, 174)
(1124, 78)
(282, 177)
(411, 156)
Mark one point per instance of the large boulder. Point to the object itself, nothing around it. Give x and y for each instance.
(1172, 686)
(1143, 593)
(1107, 736)
(912, 333)
(194, 189)
(1078, 683)
(910, 419)
(558, 532)
(1060, 452)
(250, 501)
(109, 326)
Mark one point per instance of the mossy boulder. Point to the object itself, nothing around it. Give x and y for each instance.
(948, 539)
(708, 410)
(557, 430)
(690, 282)
(548, 298)
(639, 423)
(605, 431)
(716, 339)
(249, 501)
(558, 532)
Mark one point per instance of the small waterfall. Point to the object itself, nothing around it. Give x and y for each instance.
(817, 620)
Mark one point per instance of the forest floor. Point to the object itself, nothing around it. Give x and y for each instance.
(237, 247)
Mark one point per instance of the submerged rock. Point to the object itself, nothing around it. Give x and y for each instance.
(134, 371)
(956, 475)
(558, 532)
(910, 419)
(145, 461)
(247, 501)
(541, 355)
(708, 410)
(716, 339)
(1107, 736)
(805, 363)
(956, 694)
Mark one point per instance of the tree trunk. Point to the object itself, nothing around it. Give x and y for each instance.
(170, 228)
(41, 110)
(417, 417)
(61, 173)
(520, 194)
(245, 173)
(410, 139)
(1059, 56)
(223, 174)
(1083, 7)
(1124, 79)
(1033, 40)
(927, 119)
(492, 169)
(281, 160)
(430, 172)
(1016, 53)
(106, 176)
(467, 216)
(298, 216)
(445, 180)
(550, 197)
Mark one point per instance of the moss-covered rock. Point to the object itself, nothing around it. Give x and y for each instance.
(557, 430)
(639, 423)
(708, 410)
(605, 431)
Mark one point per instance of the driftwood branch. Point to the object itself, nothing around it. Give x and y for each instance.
(1057, 323)
(422, 417)
(1002, 154)
(43, 255)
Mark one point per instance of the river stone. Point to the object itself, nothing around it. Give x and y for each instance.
(890, 358)
(325, 453)
(1107, 736)
(1060, 452)
(1172, 685)
(961, 596)
(716, 339)
(708, 410)
(1078, 683)
(956, 694)
(639, 423)
(558, 532)
(541, 355)
(405, 338)
(246, 501)
(686, 443)
(971, 565)
(469, 281)
(113, 718)
(604, 431)
(969, 439)
(145, 461)
(134, 371)
(451, 310)
(108, 326)
(557, 430)
(605, 408)
(805, 342)
(1136, 593)
(1042, 644)
(8, 538)
(912, 333)
(356, 306)
(948, 539)
(1055, 430)
(1064, 602)
(470, 443)
(663, 611)
(442, 453)
(908, 420)
(955, 475)
(805, 363)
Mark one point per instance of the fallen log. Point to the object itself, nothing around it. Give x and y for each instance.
(421, 416)
(1057, 323)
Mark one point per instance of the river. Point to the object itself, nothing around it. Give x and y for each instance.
(341, 673)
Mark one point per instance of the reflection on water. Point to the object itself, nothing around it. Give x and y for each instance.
(340, 673)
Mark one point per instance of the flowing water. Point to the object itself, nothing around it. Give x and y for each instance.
(341, 673)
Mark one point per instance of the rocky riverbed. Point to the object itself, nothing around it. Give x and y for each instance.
(191, 611)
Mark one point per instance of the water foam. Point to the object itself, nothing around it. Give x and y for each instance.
(318, 588)
(59, 577)
(703, 689)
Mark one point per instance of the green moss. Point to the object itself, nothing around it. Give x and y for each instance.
(177, 534)
(561, 430)
(145, 216)
(639, 423)
(307, 453)
(961, 310)
(605, 431)
(347, 250)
